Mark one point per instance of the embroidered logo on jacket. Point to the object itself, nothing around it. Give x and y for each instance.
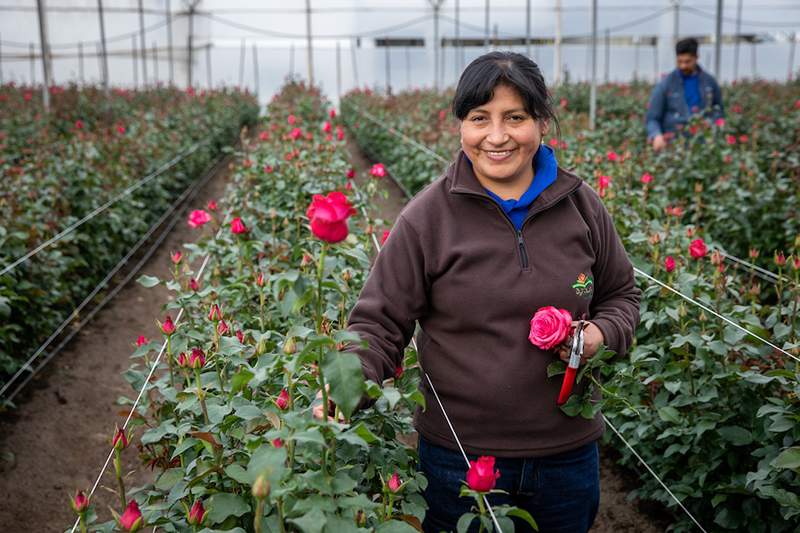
(584, 286)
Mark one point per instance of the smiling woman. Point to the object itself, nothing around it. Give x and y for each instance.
(502, 233)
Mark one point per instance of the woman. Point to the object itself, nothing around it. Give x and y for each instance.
(471, 257)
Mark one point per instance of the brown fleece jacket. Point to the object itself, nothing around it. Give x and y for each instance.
(455, 263)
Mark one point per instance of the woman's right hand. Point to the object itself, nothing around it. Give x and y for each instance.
(317, 410)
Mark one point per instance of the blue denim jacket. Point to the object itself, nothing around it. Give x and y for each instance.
(668, 107)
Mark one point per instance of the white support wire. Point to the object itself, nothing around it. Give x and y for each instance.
(435, 394)
(188, 194)
(166, 166)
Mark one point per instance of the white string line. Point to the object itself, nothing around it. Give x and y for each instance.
(724, 318)
(768, 275)
(688, 298)
(378, 247)
(105, 206)
(190, 192)
(647, 466)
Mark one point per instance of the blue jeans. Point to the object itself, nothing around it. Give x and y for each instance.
(561, 492)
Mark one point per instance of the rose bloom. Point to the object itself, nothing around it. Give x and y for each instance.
(296, 133)
(720, 122)
(328, 216)
(237, 226)
(730, 139)
(549, 327)
(351, 173)
(646, 178)
(131, 519)
(283, 400)
(612, 156)
(669, 263)
(482, 476)
(198, 217)
(384, 237)
(697, 249)
(378, 170)
(141, 340)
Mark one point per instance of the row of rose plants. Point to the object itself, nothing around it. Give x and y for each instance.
(93, 149)
(227, 425)
(712, 409)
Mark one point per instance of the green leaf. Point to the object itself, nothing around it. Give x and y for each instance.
(395, 526)
(343, 372)
(222, 505)
(524, 515)
(339, 524)
(462, 526)
(788, 458)
(230, 346)
(240, 380)
(556, 368)
(169, 478)
(738, 436)
(311, 522)
(669, 414)
(148, 281)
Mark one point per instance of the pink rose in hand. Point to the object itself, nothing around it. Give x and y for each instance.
(550, 327)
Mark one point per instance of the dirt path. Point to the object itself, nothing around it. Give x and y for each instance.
(58, 438)
(616, 514)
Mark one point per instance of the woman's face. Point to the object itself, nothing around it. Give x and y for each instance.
(501, 138)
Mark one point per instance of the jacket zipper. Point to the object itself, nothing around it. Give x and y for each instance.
(523, 253)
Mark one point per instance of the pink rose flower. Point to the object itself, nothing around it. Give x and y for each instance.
(131, 519)
(378, 170)
(328, 216)
(237, 226)
(198, 217)
(550, 327)
(697, 249)
(669, 263)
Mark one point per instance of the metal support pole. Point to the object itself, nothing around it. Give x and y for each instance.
(209, 77)
(255, 70)
(80, 64)
(100, 57)
(655, 61)
(436, 44)
(291, 59)
(442, 66)
(135, 58)
(170, 58)
(32, 60)
(387, 66)
(718, 42)
(486, 27)
(408, 68)
(676, 5)
(457, 59)
(353, 59)
(338, 70)
(309, 46)
(593, 92)
(557, 60)
(143, 45)
(606, 73)
(736, 41)
(190, 45)
(792, 47)
(636, 59)
(1, 61)
(753, 66)
(528, 28)
(46, 65)
(242, 52)
(154, 55)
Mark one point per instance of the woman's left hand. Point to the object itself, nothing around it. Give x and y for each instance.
(592, 339)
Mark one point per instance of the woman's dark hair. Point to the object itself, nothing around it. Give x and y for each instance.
(478, 81)
(686, 46)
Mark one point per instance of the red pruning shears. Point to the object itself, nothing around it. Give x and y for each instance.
(572, 366)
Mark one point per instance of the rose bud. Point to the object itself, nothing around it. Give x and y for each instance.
(240, 335)
(669, 264)
(328, 216)
(697, 249)
(194, 285)
(141, 340)
(277, 442)
(398, 372)
(326, 127)
(482, 476)
(796, 262)
(332, 113)
(198, 359)
(290, 346)
(176, 257)
(197, 514)
(80, 503)
(384, 237)
(378, 170)
(131, 519)
(306, 260)
(168, 328)
(215, 313)
(120, 440)
(260, 279)
(212, 205)
(222, 328)
(183, 360)
(394, 483)
(351, 174)
(646, 178)
(716, 258)
(339, 133)
(291, 120)
(261, 487)
(780, 259)
(237, 226)
(753, 252)
(283, 400)
(549, 327)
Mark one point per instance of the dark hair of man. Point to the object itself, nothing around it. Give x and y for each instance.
(478, 81)
(686, 46)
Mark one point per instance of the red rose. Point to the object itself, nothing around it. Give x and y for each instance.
(669, 263)
(328, 216)
(481, 476)
(378, 170)
(198, 217)
(549, 327)
(697, 249)
(237, 226)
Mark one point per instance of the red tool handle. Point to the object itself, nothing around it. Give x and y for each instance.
(566, 385)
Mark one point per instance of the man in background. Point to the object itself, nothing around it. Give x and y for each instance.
(685, 91)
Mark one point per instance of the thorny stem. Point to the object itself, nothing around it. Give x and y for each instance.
(118, 469)
(201, 395)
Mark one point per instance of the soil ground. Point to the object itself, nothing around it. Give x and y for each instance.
(57, 439)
